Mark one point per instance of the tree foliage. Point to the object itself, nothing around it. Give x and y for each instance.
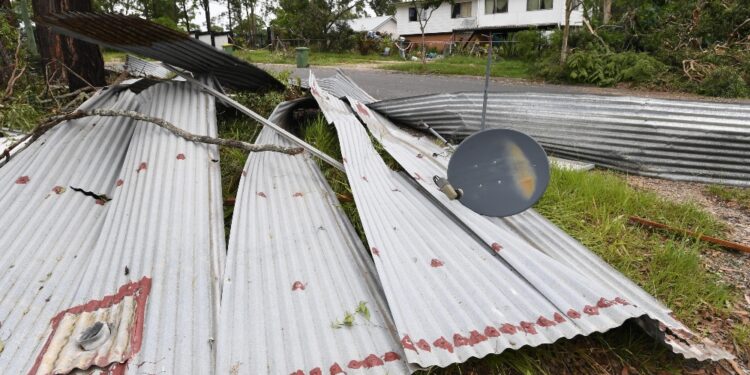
(695, 45)
(322, 20)
(382, 7)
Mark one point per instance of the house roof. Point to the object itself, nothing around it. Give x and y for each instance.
(369, 23)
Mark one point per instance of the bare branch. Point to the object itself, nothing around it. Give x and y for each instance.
(51, 122)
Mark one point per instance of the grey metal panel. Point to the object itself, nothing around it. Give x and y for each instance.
(680, 140)
(451, 296)
(295, 267)
(145, 38)
(164, 222)
(340, 86)
(47, 239)
(420, 156)
(142, 68)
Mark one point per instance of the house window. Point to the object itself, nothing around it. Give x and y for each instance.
(412, 14)
(495, 6)
(461, 10)
(539, 4)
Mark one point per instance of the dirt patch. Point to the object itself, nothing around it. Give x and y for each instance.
(733, 267)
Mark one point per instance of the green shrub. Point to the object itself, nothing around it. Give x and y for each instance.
(725, 82)
(639, 67)
(608, 69)
(528, 44)
(592, 67)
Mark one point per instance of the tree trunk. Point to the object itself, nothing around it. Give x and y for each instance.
(606, 11)
(424, 49)
(82, 58)
(566, 32)
(185, 14)
(206, 6)
(253, 25)
(229, 14)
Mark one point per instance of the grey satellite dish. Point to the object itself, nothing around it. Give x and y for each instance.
(499, 172)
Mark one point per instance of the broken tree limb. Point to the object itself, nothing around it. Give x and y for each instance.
(182, 133)
(51, 122)
(685, 232)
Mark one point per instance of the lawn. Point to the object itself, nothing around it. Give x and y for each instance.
(593, 207)
(464, 65)
(113, 55)
(316, 58)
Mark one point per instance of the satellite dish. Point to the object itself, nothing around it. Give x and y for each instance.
(499, 172)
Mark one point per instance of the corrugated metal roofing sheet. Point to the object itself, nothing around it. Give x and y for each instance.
(63, 248)
(145, 38)
(420, 156)
(456, 294)
(142, 68)
(295, 269)
(340, 86)
(680, 140)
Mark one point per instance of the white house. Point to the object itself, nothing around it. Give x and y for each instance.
(383, 25)
(467, 19)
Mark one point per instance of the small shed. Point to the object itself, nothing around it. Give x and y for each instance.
(383, 25)
(220, 38)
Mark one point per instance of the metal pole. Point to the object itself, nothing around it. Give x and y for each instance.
(486, 82)
(323, 156)
(30, 39)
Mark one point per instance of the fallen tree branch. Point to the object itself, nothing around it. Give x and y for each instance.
(67, 95)
(13, 75)
(54, 120)
(593, 32)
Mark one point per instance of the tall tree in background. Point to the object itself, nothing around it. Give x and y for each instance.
(570, 6)
(206, 5)
(80, 61)
(315, 19)
(250, 11)
(424, 10)
(187, 12)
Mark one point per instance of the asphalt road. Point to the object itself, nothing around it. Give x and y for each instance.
(383, 84)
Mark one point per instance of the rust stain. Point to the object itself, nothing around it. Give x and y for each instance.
(298, 285)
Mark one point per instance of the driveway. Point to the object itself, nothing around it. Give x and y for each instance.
(384, 84)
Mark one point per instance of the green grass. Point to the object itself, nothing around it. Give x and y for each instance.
(594, 207)
(316, 58)
(112, 55)
(740, 196)
(464, 65)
